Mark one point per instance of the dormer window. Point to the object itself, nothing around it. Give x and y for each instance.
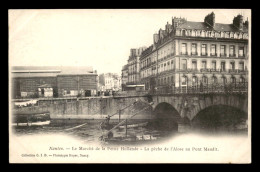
(231, 35)
(222, 35)
(193, 33)
(198, 33)
(240, 36)
(226, 35)
(235, 35)
(183, 33)
(203, 33)
(245, 36)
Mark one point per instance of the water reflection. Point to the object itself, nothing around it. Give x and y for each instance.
(90, 132)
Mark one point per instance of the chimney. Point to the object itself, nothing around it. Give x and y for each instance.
(177, 21)
(155, 37)
(210, 19)
(238, 22)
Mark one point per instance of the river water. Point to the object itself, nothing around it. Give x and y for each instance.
(88, 131)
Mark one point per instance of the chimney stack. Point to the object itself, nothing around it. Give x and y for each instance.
(238, 22)
(155, 37)
(210, 20)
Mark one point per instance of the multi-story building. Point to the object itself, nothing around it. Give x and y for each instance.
(134, 66)
(124, 76)
(109, 82)
(192, 54)
(52, 81)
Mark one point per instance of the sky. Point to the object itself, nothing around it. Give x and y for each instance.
(92, 37)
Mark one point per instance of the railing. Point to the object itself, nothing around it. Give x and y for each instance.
(210, 70)
(229, 88)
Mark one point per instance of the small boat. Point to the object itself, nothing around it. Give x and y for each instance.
(109, 126)
(134, 125)
(25, 103)
(31, 118)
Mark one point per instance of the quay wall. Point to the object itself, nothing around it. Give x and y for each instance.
(92, 108)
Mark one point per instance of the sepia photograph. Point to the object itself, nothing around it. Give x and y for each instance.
(129, 85)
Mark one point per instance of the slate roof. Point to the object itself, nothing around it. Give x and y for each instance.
(49, 71)
(217, 27)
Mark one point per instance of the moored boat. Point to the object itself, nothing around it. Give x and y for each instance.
(134, 125)
(31, 118)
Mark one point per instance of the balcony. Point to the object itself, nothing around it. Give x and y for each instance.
(213, 54)
(223, 55)
(204, 54)
(237, 71)
(194, 54)
(232, 55)
(241, 55)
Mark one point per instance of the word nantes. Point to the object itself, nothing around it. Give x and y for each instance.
(72, 148)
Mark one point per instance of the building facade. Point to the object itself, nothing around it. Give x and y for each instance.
(192, 54)
(110, 82)
(55, 81)
(124, 76)
(134, 66)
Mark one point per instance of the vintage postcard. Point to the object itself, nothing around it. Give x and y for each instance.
(130, 86)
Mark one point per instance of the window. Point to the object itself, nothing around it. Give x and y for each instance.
(223, 66)
(171, 78)
(232, 65)
(241, 52)
(194, 81)
(214, 65)
(214, 80)
(222, 35)
(204, 64)
(192, 33)
(184, 80)
(224, 80)
(232, 50)
(203, 49)
(213, 50)
(183, 33)
(204, 80)
(203, 33)
(194, 65)
(233, 80)
(193, 49)
(184, 48)
(231, 35)
(222, 50)
(242, 80)
(184, 63)
(241, 66)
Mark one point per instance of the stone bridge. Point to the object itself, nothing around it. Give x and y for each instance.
(182, 108)
(189, 105)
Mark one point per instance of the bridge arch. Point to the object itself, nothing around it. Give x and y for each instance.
(217, 118)
(166, 117)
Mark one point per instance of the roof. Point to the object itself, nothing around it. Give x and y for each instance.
(217, 27)
(45, 86)
(49, 71)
